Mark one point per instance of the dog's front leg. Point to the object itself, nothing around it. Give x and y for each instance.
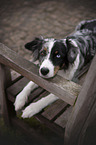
(36, 107)
(22, 97)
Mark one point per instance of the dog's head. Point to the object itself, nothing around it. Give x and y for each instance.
(52, 54)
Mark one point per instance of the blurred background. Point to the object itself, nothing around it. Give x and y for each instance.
(22, 20)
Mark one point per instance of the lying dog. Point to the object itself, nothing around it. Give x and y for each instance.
(65, 57)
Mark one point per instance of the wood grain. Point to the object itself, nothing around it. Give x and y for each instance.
(6, 106)
(62, 120)
(51, 112)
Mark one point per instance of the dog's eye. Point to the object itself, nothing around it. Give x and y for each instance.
(43, 53)
(58, 56)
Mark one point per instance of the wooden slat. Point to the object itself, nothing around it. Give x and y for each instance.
(14, 89)
(55, 128)
(18, 86)
(36, 95)
(62, 120)
(15, 76)
(66, 90)
(55, 109)
(40, 95)
(6, 105)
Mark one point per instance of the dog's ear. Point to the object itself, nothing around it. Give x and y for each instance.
(72, 50)
(35, 44)
(35, 47)
(72, 55)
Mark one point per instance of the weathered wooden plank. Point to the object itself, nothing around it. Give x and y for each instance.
(15, 88)
(15, 76)
(18, 86)
(62, 120)
(36, 95)
(82, 108)
(66, 90)
(51, 112)
(6, 106)
(55, 128)
(44, 93)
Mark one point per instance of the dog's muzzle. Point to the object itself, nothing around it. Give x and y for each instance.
(47, 69)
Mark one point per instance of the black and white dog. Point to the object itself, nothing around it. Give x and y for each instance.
(65, 57)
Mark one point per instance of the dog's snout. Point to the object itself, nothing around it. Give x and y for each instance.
(44, 71)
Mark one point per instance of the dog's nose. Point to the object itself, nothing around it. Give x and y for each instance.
(44, 71)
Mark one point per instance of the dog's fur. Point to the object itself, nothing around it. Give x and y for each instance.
(65, 57)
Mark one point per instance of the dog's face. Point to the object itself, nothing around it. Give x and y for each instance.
(52, 54)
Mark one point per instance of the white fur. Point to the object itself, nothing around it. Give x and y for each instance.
(49, 43)
(22, 97)
(36, 107)
(47, 63)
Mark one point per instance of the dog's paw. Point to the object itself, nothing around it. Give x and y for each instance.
(31, 110)
(20, 101)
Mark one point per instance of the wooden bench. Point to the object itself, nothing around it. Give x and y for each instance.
(68, 117)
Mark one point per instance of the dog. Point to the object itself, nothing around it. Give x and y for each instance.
(64, 57)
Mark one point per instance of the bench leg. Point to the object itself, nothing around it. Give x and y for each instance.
(6, 106)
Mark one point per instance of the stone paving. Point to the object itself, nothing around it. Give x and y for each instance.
(21, 21)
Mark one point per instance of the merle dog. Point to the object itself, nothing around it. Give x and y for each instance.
(64, 56)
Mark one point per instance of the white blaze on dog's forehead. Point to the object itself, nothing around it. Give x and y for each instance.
(49, 44)
(47, 62)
